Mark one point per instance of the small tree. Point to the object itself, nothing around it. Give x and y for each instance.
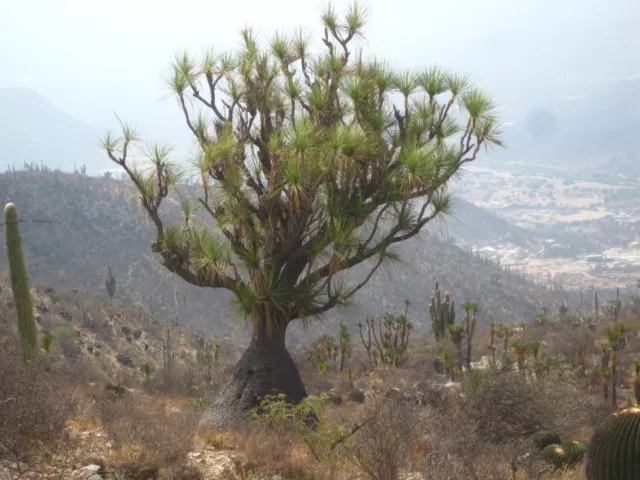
(308, 168)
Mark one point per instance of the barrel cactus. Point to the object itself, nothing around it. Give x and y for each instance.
(555, 454)
(20, 284)
(564, 455)
(614, 453)
(544, 438)
(574, 451)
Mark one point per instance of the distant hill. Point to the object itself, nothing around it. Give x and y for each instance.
(76, 226)
(474, 225)
(34, 130)
(595, 128)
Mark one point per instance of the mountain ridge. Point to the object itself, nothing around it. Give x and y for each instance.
(75, 227)
(33, 130)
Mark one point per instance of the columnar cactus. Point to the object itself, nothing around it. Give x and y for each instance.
(345, 343)
(110, 284)
(635, 366)
(202, 350)
(470, 327)
(614, 453)
(442, 313)
(20, 284)
(167, 353)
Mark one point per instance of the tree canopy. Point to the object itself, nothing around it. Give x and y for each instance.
(309, 163)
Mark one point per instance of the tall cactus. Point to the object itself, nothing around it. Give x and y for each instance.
(110, 284)
(167, 353)
(442, 313)
(20, 284)
(470, 327)
(614, 452)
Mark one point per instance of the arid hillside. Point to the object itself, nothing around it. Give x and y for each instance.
(75, 227)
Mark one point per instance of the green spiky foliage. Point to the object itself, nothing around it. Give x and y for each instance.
(544, 438)
(521, 348)
(308, 167)
(20, 284)
(147, 369)
(46, 342)
(110, 283)
(614, 451)
(448, 362)
(505, 333)
(443, 314)
(534, 348)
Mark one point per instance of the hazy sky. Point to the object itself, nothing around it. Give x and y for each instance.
(90, 57)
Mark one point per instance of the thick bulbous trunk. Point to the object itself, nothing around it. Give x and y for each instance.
(266, 367)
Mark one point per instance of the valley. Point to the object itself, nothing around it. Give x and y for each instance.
(583, 226)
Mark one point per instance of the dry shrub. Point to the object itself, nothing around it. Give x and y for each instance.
(187, 381)
(306, 447)
(35, 402)
(146, 431)
(481, 430)
(383, 446)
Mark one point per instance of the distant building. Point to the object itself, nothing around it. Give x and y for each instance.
(597, 259)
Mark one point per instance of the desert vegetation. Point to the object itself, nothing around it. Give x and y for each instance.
(309, 165)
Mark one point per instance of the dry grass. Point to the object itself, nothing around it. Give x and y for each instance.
(35, 402)
(147, 432)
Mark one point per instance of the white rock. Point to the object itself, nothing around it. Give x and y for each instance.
(90, 472)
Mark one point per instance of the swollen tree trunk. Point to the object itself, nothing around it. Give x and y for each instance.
(265, 368)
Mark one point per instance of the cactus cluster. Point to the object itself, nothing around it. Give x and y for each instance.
(442, 313)
(387, 338)
(614, 452)
(558, 453)
(325, 350)
(20, 284)
(544, 438)
(564, 455)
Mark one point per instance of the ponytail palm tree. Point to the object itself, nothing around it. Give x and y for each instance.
(310, 164)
